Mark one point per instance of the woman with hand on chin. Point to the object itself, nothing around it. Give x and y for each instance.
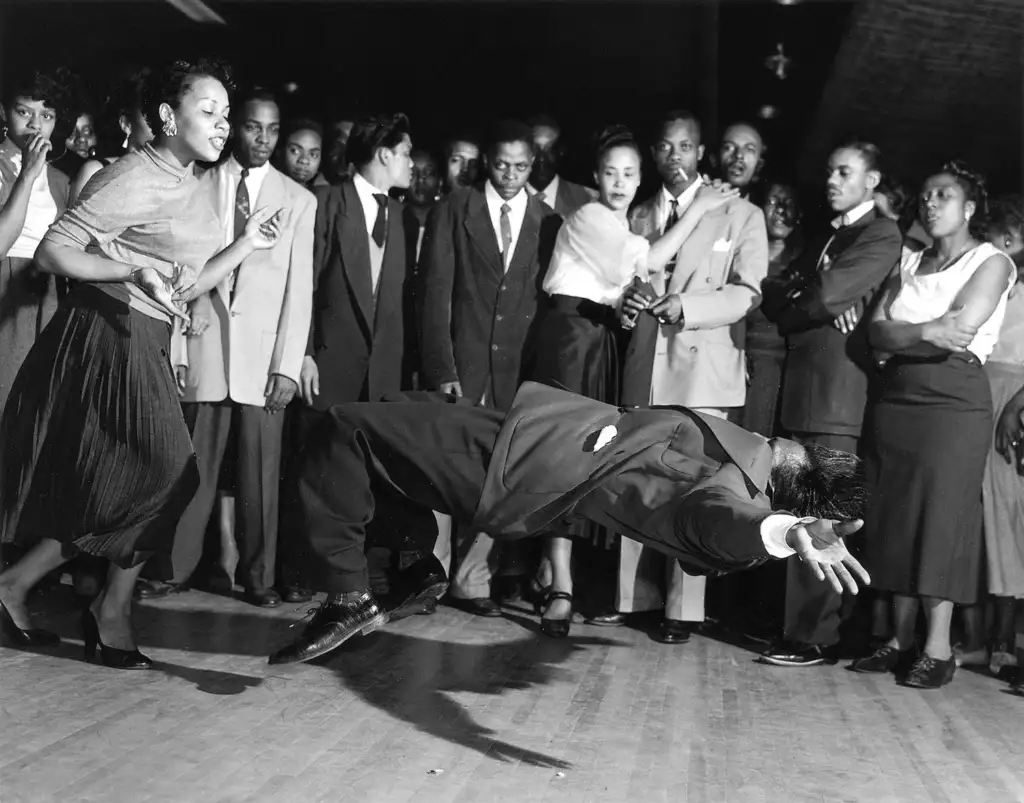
(94, 453)
(930, 426)
(595, 259)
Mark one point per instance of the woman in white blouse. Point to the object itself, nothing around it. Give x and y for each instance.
(595, 258)
(930, 425)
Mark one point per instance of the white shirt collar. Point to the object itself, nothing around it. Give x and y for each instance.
(855, 214)
(494, 201)
(685, 199)
(550, 192)
(365, 188)
(255, 172)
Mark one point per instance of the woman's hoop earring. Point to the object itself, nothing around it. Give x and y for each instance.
(170, 128)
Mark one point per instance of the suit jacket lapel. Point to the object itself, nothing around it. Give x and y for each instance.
(748, 450)
(355, 253)
(481, 230)
(696, 247)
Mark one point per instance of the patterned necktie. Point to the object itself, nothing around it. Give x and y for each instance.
(673, 218)
(542, 198)
(380, 225)
(241, 217)
(241, 205)
(506, 233)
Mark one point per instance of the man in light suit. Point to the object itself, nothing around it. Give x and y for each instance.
(239, 374)
(688, 348)
(692, 486)
(563, 196)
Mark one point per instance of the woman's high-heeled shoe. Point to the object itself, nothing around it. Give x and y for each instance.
(110, 656)
(16, 637)
(557, 628)
(538, 596)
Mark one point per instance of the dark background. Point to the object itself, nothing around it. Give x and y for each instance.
(456, 65)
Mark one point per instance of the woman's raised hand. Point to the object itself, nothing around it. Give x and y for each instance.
(161, 289)
(712, 196)
(263, 229)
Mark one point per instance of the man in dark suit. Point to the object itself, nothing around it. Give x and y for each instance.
(357, 341)
(694, 487)
(546, 184)
(483, 260)
(825, 378)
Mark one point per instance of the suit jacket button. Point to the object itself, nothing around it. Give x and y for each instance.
(494, 347)
(497, 317)
(708, 280)
(693, 349)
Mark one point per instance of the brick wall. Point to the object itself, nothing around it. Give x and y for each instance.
(926, 80)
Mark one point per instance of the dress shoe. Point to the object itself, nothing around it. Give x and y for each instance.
(417, 584)
(613, 619)
(1002, 656)
(334, 623)
(930, 673)
(429, 608)
(110, 656)
(14, 636)
(794, 653)
(296, 594)
(483, 606)
(884, 660)
(263, 599)
(673, 631)
(557, 628)
(156, 589)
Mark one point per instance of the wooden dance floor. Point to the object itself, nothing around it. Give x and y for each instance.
(455, 708)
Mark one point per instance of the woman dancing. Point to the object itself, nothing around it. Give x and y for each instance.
(595, 258)
(95, 455)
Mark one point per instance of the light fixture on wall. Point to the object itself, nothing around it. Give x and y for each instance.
(779, 63)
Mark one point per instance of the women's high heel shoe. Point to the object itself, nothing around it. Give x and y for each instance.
(557, 628)
(16, 637)
(110, 656)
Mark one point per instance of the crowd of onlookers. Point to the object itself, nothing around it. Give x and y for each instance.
(891, 326)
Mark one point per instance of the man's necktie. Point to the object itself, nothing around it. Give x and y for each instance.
(241, 217)
(542, 197)
(506, 233)
(380, 225)
(673, 218)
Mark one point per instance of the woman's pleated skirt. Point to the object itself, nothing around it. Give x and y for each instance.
(94, 451)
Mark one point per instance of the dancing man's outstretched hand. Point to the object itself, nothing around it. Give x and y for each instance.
(820, 544)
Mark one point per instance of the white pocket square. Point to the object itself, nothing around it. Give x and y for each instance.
(604, 437)
(721, 246)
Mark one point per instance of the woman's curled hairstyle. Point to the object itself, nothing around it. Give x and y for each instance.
(973, 184)
(613, 136)
(169, 85)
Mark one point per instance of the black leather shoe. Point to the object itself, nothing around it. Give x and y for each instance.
(263, 599)
(613, 619)
(557, 628)
(791, 653)
(419, 583)
(673, 631)
(14, 636)
(884, 660)
(110, 656)
(930, 673)
(334, 623)
(484, 606)
(296, 594)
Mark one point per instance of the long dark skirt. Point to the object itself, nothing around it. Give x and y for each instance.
(94, 451)
(928, 437)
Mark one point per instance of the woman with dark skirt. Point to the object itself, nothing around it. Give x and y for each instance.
(95, 457)
(930, 426)
(595, 258)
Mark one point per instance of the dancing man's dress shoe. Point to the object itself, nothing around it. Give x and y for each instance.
(613, 619)
(418, 584)
(156, 589)
(334, 623)
(673, 631)
(263, 599)
(296, 594)
(790, 653)
(482, 606)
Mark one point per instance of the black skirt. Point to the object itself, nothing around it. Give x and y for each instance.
(577, 348)
(927, 440)
(95, 452)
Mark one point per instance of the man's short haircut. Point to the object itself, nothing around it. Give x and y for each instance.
(670, 117)
(373, 132)
(507, 131)
(545, 120)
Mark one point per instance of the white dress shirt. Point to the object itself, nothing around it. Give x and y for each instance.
(365, 190)
(516, 215)
(838, 222)
(550, 192)
(774, 530)
(40, 215)
(665, 199)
